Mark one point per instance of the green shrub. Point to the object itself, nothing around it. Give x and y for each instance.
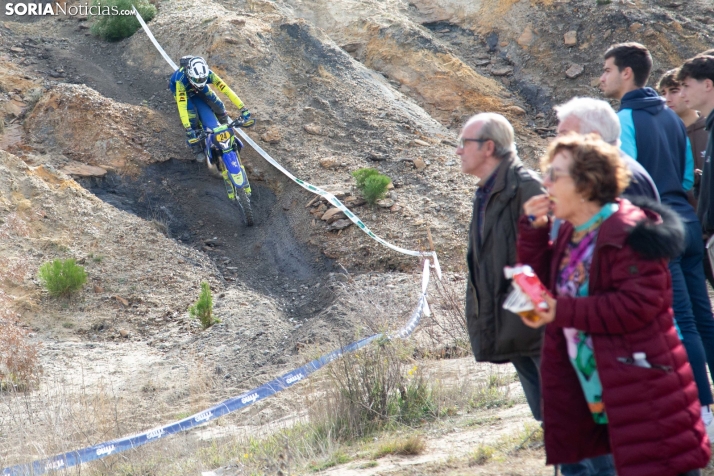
(372, 184)
(203, 308)
(117, 27)
(362, 174)
(62, 277)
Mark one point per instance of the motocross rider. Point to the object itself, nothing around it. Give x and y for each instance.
(191, 81)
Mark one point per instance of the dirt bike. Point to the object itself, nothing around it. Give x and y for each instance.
(222, 149)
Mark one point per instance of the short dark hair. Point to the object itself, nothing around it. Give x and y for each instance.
(699, 68)
(632, 55)
(669, 80)
(598, 171)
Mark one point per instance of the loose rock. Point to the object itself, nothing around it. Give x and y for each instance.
(501, 70)
(329, 163)
(272, 135)
(574, 71)
(571, 38)
(527, 38)
(339, 225)
(516, 110)
(419, 164)
(332, 215)
(313, 129)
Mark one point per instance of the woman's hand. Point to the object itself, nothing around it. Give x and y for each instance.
(546, 317)
(537, 208)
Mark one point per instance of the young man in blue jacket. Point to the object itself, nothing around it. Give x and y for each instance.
(656, 137)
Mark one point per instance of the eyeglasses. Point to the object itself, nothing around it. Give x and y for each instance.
(552, 174)
(461, 141)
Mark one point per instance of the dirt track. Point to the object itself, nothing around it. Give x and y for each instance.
(268, 257)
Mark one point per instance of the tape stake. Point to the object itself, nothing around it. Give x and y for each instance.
(425, 277)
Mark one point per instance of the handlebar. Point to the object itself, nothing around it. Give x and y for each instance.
(238, 122)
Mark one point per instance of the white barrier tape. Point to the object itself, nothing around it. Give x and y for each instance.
(334, 201)
(330, 197)
(153, 40)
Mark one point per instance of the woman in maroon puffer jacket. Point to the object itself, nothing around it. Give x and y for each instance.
(615, 376)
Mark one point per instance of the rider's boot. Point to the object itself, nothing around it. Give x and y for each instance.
(198, 153)
(229, 185)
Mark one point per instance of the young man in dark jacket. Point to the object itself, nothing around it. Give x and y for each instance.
(697, 78)
(656, 137)
(487, 150)
(670, 88)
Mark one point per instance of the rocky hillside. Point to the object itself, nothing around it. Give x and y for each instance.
(93, 167)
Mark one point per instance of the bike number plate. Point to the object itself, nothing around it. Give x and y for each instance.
(223, 136)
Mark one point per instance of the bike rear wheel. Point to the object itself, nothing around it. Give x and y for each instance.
(244, 202)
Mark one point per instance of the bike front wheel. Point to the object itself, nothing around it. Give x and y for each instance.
(243, 200)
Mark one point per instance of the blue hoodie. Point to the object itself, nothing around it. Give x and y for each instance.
(656, 137)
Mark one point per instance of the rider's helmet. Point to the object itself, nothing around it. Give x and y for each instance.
(197, 72)
(185, 60)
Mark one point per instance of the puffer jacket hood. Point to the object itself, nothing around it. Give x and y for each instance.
(660, 234)
(644, 99)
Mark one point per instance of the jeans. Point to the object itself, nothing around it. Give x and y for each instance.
(598, 466)
(528, 369)
(708, 268)
(692, 309)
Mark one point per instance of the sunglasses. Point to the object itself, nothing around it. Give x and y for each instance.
(461, 142)
(552, 174)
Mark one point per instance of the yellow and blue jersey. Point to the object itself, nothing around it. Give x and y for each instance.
(183, 91)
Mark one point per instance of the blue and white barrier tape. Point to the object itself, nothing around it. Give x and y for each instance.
(119, 445)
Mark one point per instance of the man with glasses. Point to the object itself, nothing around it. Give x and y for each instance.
(487, 151)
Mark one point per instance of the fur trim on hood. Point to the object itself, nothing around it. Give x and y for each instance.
(660, 235)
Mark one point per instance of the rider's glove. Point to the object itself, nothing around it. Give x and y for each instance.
(247, 120)
(191, 136)
(223, 118)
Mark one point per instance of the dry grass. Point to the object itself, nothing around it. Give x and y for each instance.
(19, 366)
(446, 327)
(377, 391)
(481, 455)
(411, 446)
(61, 416)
